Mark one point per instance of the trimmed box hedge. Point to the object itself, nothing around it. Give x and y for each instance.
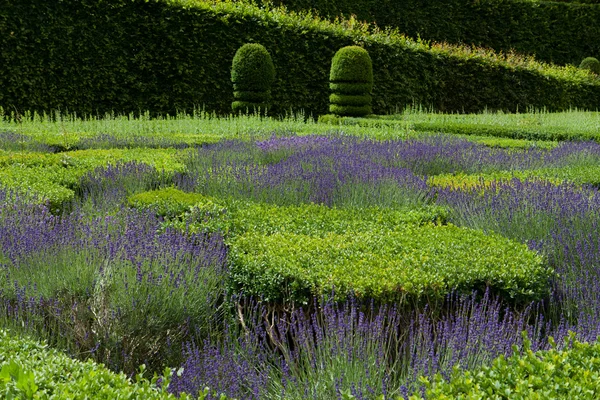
(172, 55)
(53, 177)
(30, 370)
(570, 373)
(168, 202)
(563, 33)
(408, 265)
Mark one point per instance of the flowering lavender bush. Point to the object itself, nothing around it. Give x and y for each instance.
(341, 170)
(106, 189)
(363, 351)
(560, 221)
(111, 285)
(336, 171)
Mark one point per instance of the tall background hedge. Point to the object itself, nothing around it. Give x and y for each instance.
(561, 33)
(91, 56)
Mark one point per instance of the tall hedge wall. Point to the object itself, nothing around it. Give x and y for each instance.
(91, 56)
(561, 33)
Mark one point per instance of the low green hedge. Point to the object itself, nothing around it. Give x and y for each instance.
(579, 175)
(169, 202)
(47, 177)
(234, 218)
(528, 133)
(409, 265)
(571, 373)
(39, 184)
(29, 370)
(319, 220)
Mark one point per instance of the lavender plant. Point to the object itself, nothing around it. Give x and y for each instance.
(560, 221)
(106, 189)
(340, 351)
(119, 285)
(112, 287)
(332, 171)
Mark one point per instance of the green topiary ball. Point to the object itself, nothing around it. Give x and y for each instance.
(592, 64)
(351, 64)
(351, 82)
(252, 74)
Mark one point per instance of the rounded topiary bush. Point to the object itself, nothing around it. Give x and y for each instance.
(252, 74)
(592, 64)
(351, 82)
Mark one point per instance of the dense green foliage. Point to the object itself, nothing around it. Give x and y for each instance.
(155, 55)
(351, 64)
(353, 69)
(592, 64)
(407, 265)
(571, 373)
(241, 217)
(30, 370)
(53, 177)
(562, 33)
(252, 68)
(168, 202)
(252, 74)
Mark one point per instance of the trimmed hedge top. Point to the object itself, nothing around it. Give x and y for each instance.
(407, 265)
(351, 64)
(592, 64)
(252, 68)
(165, 56)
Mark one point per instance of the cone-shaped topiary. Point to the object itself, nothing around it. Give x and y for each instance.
(592, 64)
(351, 82)
(252, 74)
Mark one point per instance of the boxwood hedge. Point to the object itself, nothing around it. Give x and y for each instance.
(559, 32)
(30, 370)
(93, 57)
(570, 373)
(408, 265)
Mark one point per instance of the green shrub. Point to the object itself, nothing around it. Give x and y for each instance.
(350, 99)
(170, 202)
(592, 64)
(349, 110)
(351, 87)
(252, 74)
(40, 184)
(351, 80)
(554, 32)
(319, 220)
(351, 64)
(31, 370)
(571, 373)
(173, 67)
(410, 264)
